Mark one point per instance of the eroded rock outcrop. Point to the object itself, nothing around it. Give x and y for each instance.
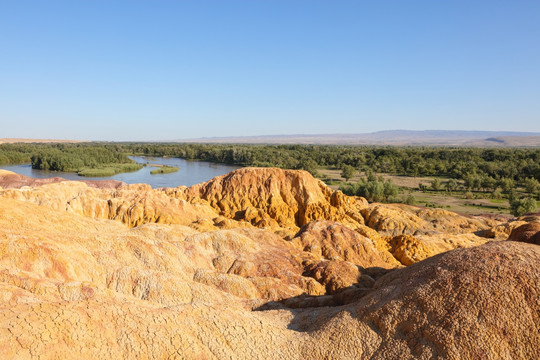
(135, 272)
(528, 232)
(334, 241)
(131, 204)
(410, 220)
(11, 180)
(276, 199)
(466, 304)
(78, 287)
(272, 197)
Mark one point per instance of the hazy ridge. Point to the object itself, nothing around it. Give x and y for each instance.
(391, 137)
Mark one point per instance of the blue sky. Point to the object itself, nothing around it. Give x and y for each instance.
(155, 70)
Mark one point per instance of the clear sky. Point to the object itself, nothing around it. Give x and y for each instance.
(160, 69)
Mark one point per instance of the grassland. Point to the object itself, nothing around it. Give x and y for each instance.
(108, 170)
(459, 201)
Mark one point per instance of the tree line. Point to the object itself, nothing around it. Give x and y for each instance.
(65, 157)
(458, 163)
(477, 167)
(480, 169)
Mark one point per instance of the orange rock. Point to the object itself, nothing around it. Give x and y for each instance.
(11, 180)
(182, 279)
(529, 233)
(132, 204)
(463, 304)
(408, 250)
(271, 197)
(333, 241)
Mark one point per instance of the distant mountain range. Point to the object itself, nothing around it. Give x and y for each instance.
(392, 137)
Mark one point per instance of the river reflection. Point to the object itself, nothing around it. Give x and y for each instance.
(190, 173)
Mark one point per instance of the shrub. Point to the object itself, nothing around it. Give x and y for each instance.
(497, 194)
(436, 184)
(451, 185)
(410, 200)
(97, 172)
(520, 206)
(372, 188)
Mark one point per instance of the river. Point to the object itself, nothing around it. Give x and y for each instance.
(190, 173)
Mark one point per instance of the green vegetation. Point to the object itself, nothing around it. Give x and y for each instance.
(108, 170)
(436, 184)
(372, 188)
(521, 205)
(410, 200)
(164, 170)
(17, 153)
(532, 186)
(478, 166)
(347, 171)
(442, 176)
(452, 185)
(479, 169)
(74, 158)
(84, 159)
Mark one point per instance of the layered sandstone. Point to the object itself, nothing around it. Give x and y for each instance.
(11, 180)
(269, 198)
(103, 290)
(131, 204)
(259, 263)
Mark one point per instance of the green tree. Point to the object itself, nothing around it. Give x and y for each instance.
(520, 206)
(410, 200)
(309, 165)
(488, 183)
(372, 188)
(531, 185)
(506, 184)
(347, 171)
(451, 185)
(436, 184)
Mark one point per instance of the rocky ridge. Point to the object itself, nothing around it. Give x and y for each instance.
(259, 263)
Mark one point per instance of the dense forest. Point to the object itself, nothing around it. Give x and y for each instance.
(474, 165)
(84, 159)
(477, 167)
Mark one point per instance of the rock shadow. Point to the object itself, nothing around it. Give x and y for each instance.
(303, 304)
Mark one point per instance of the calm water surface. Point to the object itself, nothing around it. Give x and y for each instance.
(190, 173)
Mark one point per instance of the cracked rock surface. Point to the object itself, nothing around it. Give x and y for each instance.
(257, 264)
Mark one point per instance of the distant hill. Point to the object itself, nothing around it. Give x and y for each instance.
(393, 137)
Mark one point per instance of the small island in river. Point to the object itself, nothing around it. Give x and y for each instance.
(164, 169)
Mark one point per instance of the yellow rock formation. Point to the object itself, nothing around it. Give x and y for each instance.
(259, 263)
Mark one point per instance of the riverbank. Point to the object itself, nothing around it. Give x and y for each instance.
(189, 173)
